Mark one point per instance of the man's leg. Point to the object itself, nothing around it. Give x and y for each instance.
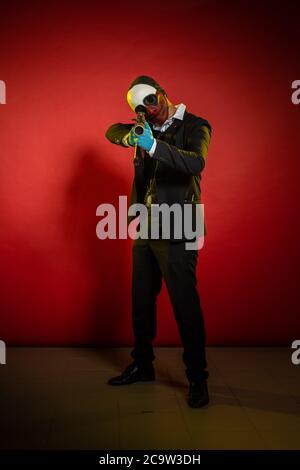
(178, 266)
(146, 285)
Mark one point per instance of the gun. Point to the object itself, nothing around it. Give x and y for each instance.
(138, 129)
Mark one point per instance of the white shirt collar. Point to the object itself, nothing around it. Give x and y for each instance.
(179, 113)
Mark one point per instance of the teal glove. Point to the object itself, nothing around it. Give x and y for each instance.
(145, 141)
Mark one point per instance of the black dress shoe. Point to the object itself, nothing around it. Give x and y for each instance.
(133, 373)
(198, 394)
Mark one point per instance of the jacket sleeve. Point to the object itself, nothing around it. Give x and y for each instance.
(117, 133)
(190, 160)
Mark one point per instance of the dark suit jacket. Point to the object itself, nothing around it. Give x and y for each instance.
(180, 157)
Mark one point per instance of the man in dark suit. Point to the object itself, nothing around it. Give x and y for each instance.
(170, 156)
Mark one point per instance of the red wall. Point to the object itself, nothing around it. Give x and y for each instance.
(67, 67)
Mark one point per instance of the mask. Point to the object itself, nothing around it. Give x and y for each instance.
(141, 95)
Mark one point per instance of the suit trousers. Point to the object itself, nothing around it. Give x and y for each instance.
(154, 260)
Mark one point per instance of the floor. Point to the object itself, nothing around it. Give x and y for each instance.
(57, 398)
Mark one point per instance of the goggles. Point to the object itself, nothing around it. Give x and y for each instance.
(150, 100)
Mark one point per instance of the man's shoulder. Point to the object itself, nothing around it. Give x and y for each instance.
(191, 119)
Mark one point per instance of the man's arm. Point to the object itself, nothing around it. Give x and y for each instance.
(118, 133)
(191, 160)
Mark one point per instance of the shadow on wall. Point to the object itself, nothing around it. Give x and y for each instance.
(105, 262)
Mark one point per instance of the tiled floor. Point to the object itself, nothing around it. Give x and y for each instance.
(57, 398)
